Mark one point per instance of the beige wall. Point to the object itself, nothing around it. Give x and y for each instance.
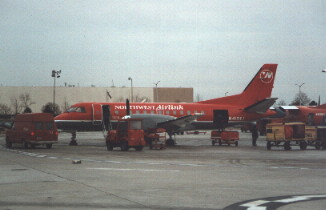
(72, 95)
(173, 94)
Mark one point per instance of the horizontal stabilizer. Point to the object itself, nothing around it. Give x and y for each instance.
(261, 106)
(290, 107)
(178, 122)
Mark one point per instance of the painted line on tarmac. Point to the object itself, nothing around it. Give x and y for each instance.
(156, 163)
(133, 169)
(273, 203)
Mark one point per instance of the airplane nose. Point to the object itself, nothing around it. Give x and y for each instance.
(57, 118)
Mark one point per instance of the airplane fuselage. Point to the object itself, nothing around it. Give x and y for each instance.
(88, 116)
(309, 115)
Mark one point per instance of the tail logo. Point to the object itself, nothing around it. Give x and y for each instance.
(266, 76)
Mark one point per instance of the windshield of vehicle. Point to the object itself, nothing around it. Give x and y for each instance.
(76, 109)
(135, 125)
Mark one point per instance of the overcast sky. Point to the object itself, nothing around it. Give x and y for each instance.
(213, 46)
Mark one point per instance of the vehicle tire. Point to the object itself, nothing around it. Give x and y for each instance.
(48, 146)
(25, 144)
(109, 146)
(269, 145)
(139, 148)
(287, 146)
(303, 145)
(8, 143)
(124, 146)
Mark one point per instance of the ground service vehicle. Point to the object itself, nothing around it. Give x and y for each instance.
(32, 129)
(129, 133)
(225, 137)
(286, 135)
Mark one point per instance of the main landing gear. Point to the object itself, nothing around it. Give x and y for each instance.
(73, 141)
(170, 141)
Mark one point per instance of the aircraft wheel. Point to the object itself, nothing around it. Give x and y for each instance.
(236, 143)
(48, 146)
(213, 143)
(318, 145)
(170, 142)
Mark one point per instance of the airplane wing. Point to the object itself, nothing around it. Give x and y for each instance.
(177, 123)
(261, 106)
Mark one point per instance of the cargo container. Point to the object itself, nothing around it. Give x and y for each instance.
(225, 137)
(316, 136)
(286, 135)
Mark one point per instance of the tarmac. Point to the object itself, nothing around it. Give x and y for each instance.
(191, 175)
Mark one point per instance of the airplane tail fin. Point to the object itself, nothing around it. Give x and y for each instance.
(259, 88)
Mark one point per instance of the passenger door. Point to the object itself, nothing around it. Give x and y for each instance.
(97, 114)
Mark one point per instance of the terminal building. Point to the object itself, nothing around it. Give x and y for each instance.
(37, 97)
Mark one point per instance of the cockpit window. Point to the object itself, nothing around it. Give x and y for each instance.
(76, 109)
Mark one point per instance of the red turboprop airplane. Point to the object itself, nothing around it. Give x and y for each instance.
(252, 104)
(311, 115)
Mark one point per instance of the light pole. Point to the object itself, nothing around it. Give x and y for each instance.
(55, 74)
(131, 88)
(299, 92)
(156, 90)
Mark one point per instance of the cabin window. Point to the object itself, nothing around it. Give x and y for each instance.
(38, 126)
(80, 109)
(174, 112)
(77, 109)
(181, 112)
(159, 112)
(137, 112)
(135, 125)
(49, 126)
(188, 112)
(116, 112)
(145, 112)
(152, 112)
(167, 112)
